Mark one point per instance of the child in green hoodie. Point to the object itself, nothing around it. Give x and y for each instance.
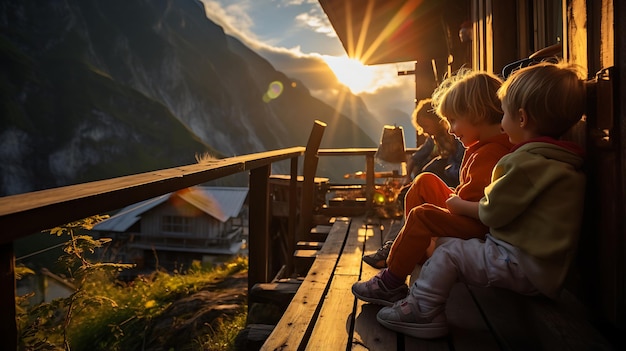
(532, 207)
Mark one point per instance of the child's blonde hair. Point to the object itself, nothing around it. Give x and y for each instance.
(424, 110)
(471, 95)
(553, 95)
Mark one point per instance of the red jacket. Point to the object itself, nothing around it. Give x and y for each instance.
(478, 164)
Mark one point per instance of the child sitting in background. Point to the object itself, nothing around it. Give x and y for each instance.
(533, 206)
(441, 153)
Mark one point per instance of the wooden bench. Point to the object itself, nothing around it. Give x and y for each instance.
(324, 315)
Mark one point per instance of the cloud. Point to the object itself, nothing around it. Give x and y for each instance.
(310, 69)
(298, 2)
(309, 27)
(316, 21)
(233, 18)
(400, 97)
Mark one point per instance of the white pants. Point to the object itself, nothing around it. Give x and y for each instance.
(477, 262)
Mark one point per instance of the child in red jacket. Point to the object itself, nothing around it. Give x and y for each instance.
(470, 103)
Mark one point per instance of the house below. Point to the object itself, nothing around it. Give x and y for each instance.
(44, 287)
(204, 224)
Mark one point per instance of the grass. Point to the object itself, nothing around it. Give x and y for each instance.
(105, 314)
(222, 338)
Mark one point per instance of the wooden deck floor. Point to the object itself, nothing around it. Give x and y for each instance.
(324, 315)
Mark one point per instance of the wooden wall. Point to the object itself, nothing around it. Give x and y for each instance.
(591, 43)
(594, 39)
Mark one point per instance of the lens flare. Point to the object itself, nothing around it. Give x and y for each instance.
(274, 90)
(379, 198)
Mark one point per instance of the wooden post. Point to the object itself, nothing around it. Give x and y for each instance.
(259, 236)
(370, 181)
(292, 221)
(8, 326)
(308, 183)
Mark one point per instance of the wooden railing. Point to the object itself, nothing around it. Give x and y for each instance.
(24, 214)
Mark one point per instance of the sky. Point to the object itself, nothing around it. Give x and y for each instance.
(296, 37)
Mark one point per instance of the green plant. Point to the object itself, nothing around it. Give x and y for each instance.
(44, 323)
(106, 314)
(223, 335)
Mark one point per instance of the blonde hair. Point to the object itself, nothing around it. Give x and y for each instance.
(471, 95)
(424, 110)
(553, 95)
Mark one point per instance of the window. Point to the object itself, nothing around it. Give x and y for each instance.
(175, 224)
(540, 26)
(548, 23)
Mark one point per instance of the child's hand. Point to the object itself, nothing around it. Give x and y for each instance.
(458, 206)
(453, 203)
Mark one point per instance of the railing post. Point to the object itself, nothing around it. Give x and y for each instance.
(309, 169)
(8, 327)
(292, 221)
(370, 181)
(258, 224)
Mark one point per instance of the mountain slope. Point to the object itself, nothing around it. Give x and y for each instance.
(92, 89)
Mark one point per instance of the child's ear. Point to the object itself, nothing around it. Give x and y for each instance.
(523, 118)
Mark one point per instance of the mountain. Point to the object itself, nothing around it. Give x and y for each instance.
(94, 89)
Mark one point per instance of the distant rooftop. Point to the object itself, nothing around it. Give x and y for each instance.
(220, 202)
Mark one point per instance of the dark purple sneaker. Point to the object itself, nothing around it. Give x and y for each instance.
(375, 291)
(406, 317)
(379, 258)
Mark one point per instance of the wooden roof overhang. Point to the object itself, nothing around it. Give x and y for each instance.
(388, 31)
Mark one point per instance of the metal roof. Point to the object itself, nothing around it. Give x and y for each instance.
(220, 202)
(129, 215)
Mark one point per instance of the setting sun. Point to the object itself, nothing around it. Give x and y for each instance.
(353, 74)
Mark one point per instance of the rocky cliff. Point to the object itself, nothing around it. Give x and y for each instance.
(93, 89)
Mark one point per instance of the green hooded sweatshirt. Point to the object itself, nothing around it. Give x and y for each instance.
(535, 203)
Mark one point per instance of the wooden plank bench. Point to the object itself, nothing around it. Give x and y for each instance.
(324, 315)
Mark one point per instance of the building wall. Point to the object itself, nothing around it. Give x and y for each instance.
(201, 225)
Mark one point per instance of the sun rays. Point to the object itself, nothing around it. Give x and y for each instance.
(352, 73)
(356, 45)
(363, 46)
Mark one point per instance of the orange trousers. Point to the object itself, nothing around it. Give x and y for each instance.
(426, 219)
